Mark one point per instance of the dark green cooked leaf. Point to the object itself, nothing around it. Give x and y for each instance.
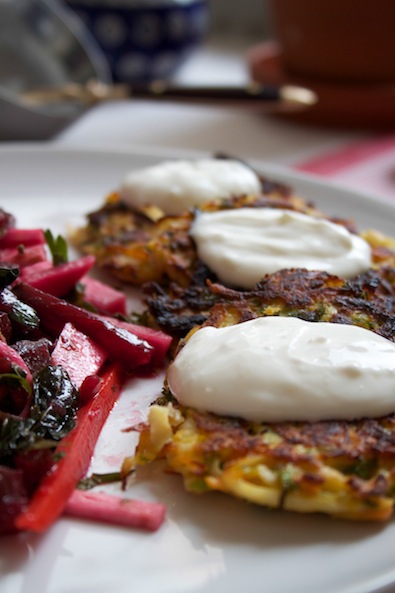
(8, 273)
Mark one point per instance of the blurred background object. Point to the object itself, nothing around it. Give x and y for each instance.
(342, 50)
(350, 42)
(45, 43)
(144, 39)
(41, 44)
(246, 20)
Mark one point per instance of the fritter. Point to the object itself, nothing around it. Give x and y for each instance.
(365, 300)
(344, 469)
(143, 245)
(145, 248)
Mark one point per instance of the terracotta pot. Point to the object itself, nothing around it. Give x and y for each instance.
(336, 40)
(350, 105)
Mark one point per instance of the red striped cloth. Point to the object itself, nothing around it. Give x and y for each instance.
(368, 165)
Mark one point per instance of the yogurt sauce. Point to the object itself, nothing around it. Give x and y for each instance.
(278, 369)
(175, 186)
(243, 245)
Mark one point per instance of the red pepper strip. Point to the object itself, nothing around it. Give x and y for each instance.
(106, 508)
(76, 449)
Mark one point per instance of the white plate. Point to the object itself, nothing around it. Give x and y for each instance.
(208, 544)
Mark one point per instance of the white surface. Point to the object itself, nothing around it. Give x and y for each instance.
(168, 125)
(209, 544)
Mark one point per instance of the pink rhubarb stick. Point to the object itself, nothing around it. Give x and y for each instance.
(59, 280)
(15, 237)
(104, 298)
(120, 345)
(115, 510)
(24, 256)
(158, 339)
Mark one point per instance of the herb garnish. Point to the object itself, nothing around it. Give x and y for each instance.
(57, 247)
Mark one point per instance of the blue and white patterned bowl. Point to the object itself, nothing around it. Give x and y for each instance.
(144, 39)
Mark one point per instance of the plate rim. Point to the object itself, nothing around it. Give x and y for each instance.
(382, 582)
(286, 171)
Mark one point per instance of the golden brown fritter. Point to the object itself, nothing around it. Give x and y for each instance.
(343, 469)
(142, 245)
(366, 300)
(138, 246)
(145, 248)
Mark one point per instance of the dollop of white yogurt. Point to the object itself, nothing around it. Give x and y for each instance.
(175, 186)
(244, 244)
(277, 369)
